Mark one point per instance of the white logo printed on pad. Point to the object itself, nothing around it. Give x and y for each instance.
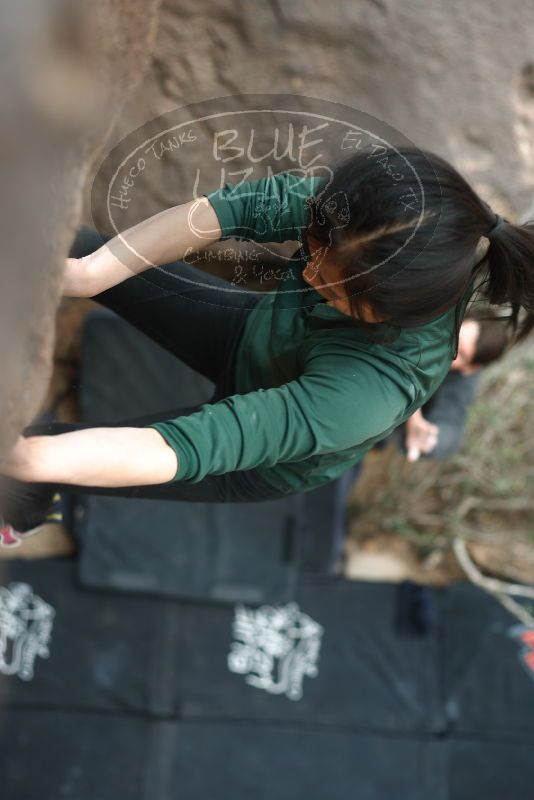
(26, 623)
(275, 647)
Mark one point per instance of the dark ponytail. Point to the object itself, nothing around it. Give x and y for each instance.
(507, 272)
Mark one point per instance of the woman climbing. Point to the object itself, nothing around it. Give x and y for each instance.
(359, 334)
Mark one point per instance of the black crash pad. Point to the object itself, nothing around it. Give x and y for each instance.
(118, 694)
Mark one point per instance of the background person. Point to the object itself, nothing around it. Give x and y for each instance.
(436, 430)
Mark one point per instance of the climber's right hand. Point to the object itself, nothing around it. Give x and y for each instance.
(79, 278)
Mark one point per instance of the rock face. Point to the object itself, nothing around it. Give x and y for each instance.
(454, 77)
(65, 69)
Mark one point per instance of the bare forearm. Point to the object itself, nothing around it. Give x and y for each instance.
(106, 457)
(161, 239)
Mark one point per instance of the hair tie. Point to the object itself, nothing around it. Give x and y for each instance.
(497, 225)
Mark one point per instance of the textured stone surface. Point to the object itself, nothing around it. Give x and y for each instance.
(65, 68)
(455, 77)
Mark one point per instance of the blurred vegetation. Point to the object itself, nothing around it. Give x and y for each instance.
(484, 494)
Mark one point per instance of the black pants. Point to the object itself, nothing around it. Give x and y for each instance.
(199, 319)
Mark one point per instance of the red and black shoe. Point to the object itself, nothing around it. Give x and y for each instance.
(11, 536)
(8, 536)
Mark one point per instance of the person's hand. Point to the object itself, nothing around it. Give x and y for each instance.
(79, 278)
(421, 436)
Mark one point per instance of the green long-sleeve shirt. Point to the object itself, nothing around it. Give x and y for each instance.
(314, 392)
